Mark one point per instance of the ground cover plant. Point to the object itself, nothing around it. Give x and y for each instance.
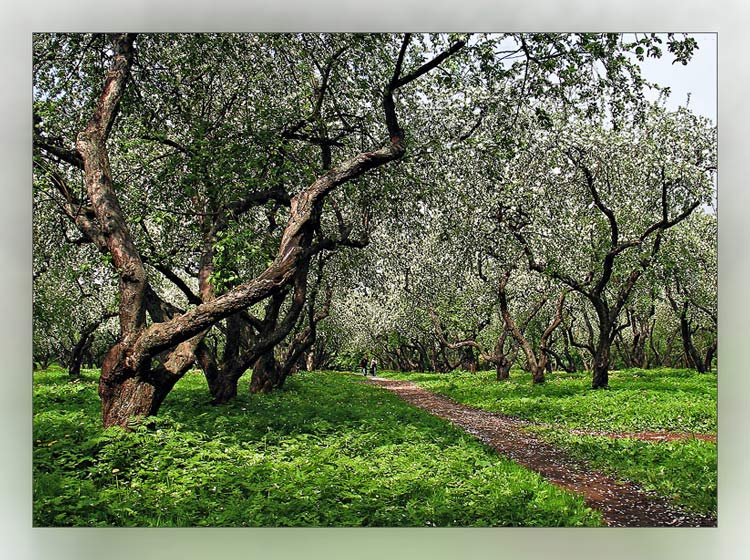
(683, 471)
(673, 400)
(677, 400)
(326, 450)
(234, 208)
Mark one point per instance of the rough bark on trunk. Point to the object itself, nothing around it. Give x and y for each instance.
(600, 366)
(222, 380)
(267, 375)
(128, 386)
(224, 387)
(125, 393)
(502, 370)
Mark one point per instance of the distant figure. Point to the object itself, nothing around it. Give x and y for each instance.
(373, 367)
(363, 366)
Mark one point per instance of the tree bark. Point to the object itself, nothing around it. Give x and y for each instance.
(502, 369)
(692, 357)
(266, 374)
(224, 387)
(79, 350)
(128, 385)
(600, 366)
(710, 352)
(83, 346)
(537, 365)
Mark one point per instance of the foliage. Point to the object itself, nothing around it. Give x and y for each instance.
(325, 451)
(215, 133)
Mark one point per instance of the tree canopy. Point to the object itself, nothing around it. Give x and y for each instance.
(264, 202)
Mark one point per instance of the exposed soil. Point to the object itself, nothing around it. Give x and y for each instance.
(623, 504)
(647, 436)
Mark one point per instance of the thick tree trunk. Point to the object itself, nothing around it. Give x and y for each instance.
(133, 398)
(502, 370)
(126, 394)
(222, 382)
(600, 366)
(267, 375)
(537, 374)
(223, 388)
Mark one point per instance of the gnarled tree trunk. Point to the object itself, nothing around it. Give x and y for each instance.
(129, 386)
(537, 364)
(266, 374)
(502, 368)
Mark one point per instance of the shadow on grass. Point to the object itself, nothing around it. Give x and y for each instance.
(329, 403)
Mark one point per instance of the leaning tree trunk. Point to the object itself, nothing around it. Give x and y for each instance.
(267, 374)
(693, 358)
(78, 353)
(128, 385)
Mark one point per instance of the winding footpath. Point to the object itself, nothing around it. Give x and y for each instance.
(623, 504)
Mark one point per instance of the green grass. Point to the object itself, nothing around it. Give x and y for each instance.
(638, 400)
(325, 451)
(683, 471)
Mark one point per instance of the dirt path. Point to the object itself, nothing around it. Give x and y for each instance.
(623, 504)
(646, 436)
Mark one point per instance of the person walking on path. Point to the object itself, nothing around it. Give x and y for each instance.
(373, 367)
(363, 366)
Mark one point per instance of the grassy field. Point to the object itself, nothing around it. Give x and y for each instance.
(638, 400)
(326, 451)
